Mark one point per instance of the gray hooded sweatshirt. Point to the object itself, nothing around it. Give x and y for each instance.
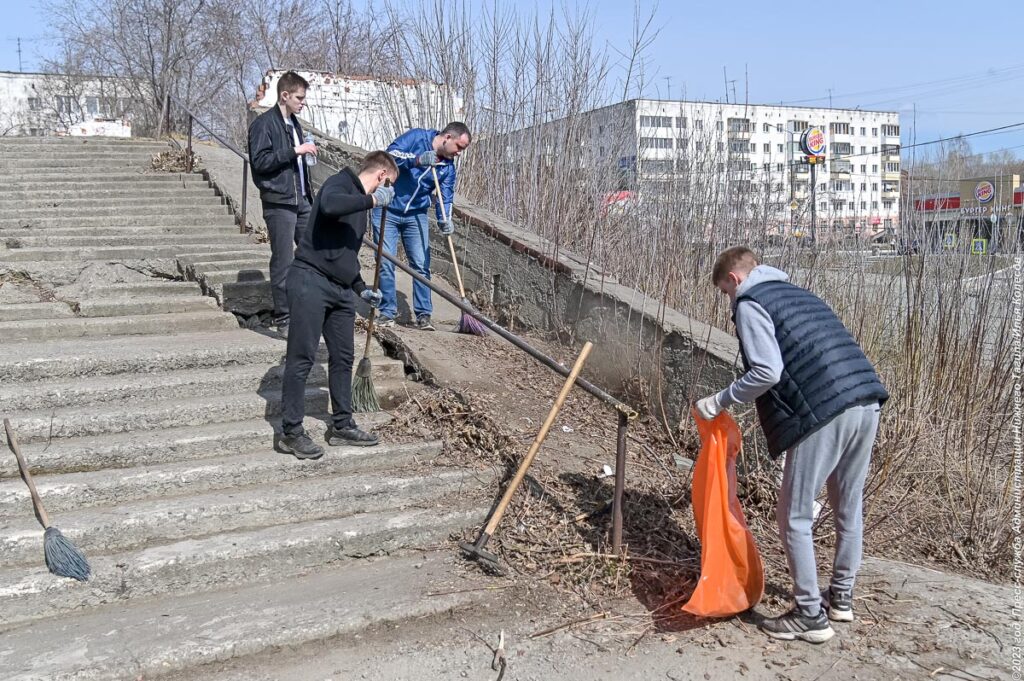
(756, 332)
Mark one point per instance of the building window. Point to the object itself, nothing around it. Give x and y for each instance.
(822, 187)
(892, 167)
(720, 146)
(34, 104)
(600, 131)
(778, 167)
(874, 132)
(887, 205)
(766, 128)
(64, 104)
(863, 150)
(874, 168)
(681, 122)
(874, 186)
(698, 145)
(891, 130)
(839, 128)
(863, 131)
(874, 205)
(888, 223)
(874, 150)
(864, 168)
(753, 148)
(799, 126)
(718, 125)
(656, 142)
(657, 167)
(720, 167)
(863, 186)
(863, 204)
(698, 125)
(766, 167)
(92, 105)
(767, 148)
(656, 121)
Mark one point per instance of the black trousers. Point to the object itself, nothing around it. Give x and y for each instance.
(285, 225)
(318, 306)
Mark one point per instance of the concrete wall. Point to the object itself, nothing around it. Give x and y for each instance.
(518, 273)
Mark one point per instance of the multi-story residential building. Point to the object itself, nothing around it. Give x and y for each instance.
(753, 153)
(41, 104)
(367, 112)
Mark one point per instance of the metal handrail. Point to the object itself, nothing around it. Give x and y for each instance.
(624, 411)
(190, 156)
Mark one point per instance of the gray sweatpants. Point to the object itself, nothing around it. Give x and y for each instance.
(837, 455)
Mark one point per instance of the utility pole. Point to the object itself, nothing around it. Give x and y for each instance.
(814, 204)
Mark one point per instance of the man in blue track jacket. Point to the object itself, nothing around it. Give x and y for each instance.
(418, 152)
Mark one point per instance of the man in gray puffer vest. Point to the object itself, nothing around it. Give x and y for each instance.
(818, 399)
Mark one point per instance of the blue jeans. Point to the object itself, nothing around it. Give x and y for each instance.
(415, 233)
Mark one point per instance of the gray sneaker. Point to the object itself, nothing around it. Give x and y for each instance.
(300, 446)
(353, 437)
(384, 322)
(795, 625)
(423, 323)
(838, 605)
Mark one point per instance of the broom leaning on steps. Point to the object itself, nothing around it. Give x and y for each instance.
(467, 323)
(62, 557)
(364, 394)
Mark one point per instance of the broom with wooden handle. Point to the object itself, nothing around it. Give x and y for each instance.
(62, 557)
(467, 323)
(364, 394)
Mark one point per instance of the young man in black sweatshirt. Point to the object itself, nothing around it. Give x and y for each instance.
(323, 283)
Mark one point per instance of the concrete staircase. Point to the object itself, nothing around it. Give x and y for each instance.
(147, 416)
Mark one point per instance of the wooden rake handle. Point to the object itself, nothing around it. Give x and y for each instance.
(538, 441)
(12, 438)
(376, 278)
(451, 244)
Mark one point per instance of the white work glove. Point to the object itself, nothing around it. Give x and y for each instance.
(383, 195)
(372, 297)
(709, 407)
(427, 158)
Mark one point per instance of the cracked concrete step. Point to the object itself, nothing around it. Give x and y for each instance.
(103, 419)
(10, 312)
(255, 250)
(134, 230)
(237, 275)
(243, 297)
(112, 215)
(83, 142)
(29, 166)
(79, 327)
(156, 447)
(146, 288)
(119, 388)
(56, 359)
(261, 465)
(225, 236)
(38, 255)
(182, 633)
(126, 526)
(219, 218)
(121, 307)
(249, 557)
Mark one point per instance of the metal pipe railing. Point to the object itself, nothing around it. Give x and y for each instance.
(624, 411)
(189, 156)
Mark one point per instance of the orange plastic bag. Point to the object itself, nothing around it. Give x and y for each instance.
(731, 572)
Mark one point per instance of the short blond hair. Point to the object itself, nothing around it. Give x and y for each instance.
(735, 259)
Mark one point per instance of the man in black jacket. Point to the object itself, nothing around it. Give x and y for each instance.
(277, 153)
(322, 285)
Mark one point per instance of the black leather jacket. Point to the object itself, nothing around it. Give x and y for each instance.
(275, 169)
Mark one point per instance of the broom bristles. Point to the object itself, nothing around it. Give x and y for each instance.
(63, 558)
(364, 394)
(469, 324)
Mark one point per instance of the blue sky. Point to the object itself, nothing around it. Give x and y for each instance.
(963, 59)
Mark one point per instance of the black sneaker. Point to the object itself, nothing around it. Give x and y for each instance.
(353, 437)
(300, 446)
(282, 331)
(839, 605)
(384, 322)
(793, 625)
(423, 323)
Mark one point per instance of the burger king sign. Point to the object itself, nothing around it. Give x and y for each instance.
(984, 192)
(813, 142)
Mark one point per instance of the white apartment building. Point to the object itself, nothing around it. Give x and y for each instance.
(41, 104)
(365, 112)
(754, 150)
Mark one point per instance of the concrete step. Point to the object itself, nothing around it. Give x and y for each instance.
(120, 388)
(141, 203)
(147, 197)
(55, 181)
(194, 566)
(242, 274)
(83, 327)
(106, 213)
(73, 491)
(147, 288)
(258, 251)
(22, 311)
(39, 255)
(56, 359)
(97, 231)
(108, 191)
(154, 414)
(169, 445)
(123, 307)
(125, 526)
(83, 142)
(224, 236)
(104, 162)
(210, 217)
(182, 633)
(244, 297)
